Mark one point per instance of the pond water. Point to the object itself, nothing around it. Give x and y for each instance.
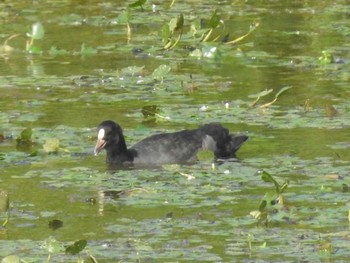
(89, 67)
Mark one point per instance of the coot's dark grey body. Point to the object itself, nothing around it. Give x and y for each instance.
(166, 148)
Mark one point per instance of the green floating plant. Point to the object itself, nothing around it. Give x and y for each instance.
(266, 92)
(25, 142)
(37, 33)
(131, 71)
(168, 32)
(86, 50)
(270, 202)
(160, 72)
(55, 248)
(211, 31)
(138, 3)
(54, 51)
(52, 246)
(124, 18)
(11, 259)
(52, 145)
(266, 177)
(251, 29)
(213, 23)
(326, 58)
(77, 247)
(26, 136)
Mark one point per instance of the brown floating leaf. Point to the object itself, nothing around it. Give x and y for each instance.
(307, 105)
(330, 111)
(52, 145)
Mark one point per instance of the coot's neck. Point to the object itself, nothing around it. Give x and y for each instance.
(118, 153)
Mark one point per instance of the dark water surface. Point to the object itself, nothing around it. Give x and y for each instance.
(197, 213)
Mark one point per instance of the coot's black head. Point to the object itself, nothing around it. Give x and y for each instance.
(109, 134)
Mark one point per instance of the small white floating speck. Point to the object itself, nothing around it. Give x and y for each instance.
(203, 108)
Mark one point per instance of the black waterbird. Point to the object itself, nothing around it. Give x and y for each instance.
(166, 148)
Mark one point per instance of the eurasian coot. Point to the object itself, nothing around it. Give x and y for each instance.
(166, 148)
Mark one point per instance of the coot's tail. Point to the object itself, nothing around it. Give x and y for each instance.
(226, 144)
(232, 147)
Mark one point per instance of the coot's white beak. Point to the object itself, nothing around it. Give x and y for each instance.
(100, 144)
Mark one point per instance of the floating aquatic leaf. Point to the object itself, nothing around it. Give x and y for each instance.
(252, 28)
(172, 24)
(77, 247)
(124, 17)
(283, 187)
(26, 135)
(51, 245)
(37, 31)
(150, 111)
(176, 23)
(51, 145)
(281, 91)
(166, 34)
(326, 58)
(55, 224)
(180, 22)
(132, 70)
(138, 3)
(330, 111)
(284, 89)
(266, 177)
(213, 23)
(262, 205)
(214, 20)
(261, 94)
(326, 247)
(54, 51)
(24, 142)
(263, 245)
(34, 50)
(86, 51)
(160, 72)
(11, 259)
